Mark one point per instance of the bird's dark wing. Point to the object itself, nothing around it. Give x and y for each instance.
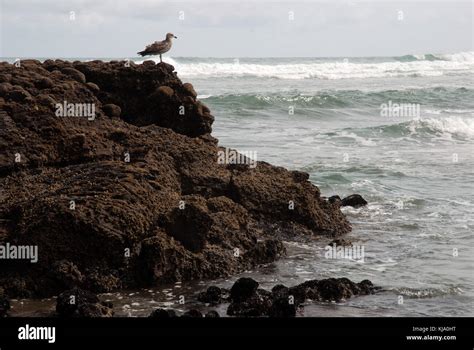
(157, 46)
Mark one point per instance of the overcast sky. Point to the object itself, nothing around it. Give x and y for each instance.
(120, 28)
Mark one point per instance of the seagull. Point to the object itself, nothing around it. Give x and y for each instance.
(159, 47)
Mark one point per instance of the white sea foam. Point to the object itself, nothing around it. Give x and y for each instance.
(449, 111)
(467, 56)
(447, 127)
(359, 139)
(459, 62)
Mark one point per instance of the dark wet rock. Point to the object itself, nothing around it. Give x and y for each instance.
(282, 307)
(149, 63)
(93, 87)
(264, 293)
(44, 83)
(165, 91)
(29, 61)
(189, 88)
(256, 305)
(203, 109)
(18, 94)
(212, 295)
(266, 251)
(340, 242)
(101, 282)
(280, 291)
(334, 199)
(304, 291)
(190, 225)
(46, 100)
(366, 287)
(243, 289)
(127, 177)
(331, 289)
(4, 303)
(354, 200)
(335, 289)
(273, 198)
(247, 300)
(163, 313)
(112, 110)
(300, 176)
(193, 313)
(81, 303)
(148, 94)
(96, 310)
(284, 302)
(5, 88)
(188, 100)
(212, 314)
(74, 74)
(67, 274)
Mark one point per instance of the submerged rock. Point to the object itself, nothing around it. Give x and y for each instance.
(354, 200)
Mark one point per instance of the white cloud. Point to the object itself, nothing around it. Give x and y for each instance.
(234, 28)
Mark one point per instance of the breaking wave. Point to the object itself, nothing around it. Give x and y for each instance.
(327, 69)
(443, 128)
(446, 127)
(467, 56)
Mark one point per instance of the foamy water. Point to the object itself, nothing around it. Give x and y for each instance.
(416, 171)
(342, 68)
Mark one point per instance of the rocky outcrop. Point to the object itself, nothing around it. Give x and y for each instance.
(247, 300)
(111, 171)
(331, 289)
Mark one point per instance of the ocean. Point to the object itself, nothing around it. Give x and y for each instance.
(397, 130)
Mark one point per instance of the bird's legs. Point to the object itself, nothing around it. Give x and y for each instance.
(160, 59)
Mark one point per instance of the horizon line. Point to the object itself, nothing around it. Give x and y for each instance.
(229, 57)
